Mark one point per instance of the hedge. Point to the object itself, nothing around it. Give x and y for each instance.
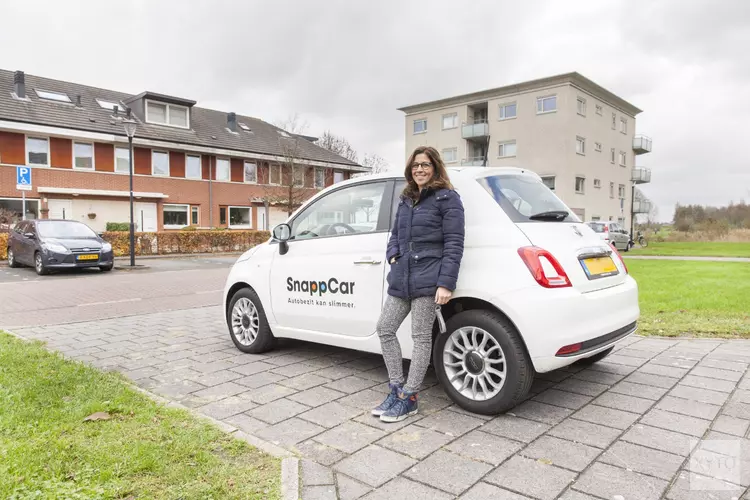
(164, 243)
(118, 226)
(3, 246)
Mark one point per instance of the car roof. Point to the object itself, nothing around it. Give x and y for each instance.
(469, 170)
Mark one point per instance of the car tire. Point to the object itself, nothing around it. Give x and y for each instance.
(595, 358)
(252, 317)
(519, 371)
(12, 262)
(39, 267)
(106, 269)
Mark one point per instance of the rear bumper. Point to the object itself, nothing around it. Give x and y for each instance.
(551, 319)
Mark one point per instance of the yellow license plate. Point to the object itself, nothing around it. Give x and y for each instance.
(597, 267)
(92, 256)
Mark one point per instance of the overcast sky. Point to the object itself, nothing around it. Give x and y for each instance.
(346, 65)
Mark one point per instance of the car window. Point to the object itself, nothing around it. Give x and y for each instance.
(20, 227)
(350, 210)
(522, 196)
(597, 226)
(64, 229)
(397, 190)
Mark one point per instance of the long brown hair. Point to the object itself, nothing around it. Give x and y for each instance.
(439, 178)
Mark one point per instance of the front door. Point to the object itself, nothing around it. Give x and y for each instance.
(60, 209)
(144, 217)
(331, 279)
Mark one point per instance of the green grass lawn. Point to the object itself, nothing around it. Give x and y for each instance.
(708, 299)
(143, 451)
(694, 249)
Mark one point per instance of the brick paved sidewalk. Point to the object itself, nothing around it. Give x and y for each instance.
(626, 426)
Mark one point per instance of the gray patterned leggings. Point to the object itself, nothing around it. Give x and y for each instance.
(422, 318)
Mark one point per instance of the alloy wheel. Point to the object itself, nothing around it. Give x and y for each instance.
(11, 257)
(474, 363)
(38, 263)
(245, 321)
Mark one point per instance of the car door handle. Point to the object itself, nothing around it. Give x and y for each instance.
(367, 260)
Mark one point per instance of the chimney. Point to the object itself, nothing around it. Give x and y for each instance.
(232, 122)
(19, 84)
(78, 101)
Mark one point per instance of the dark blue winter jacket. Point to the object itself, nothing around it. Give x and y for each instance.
(428, 244)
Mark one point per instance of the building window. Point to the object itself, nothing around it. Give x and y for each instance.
(251, 172)
(614, 121)
(194, 216)
(581, 106)
(549, 181)
(222, 170)
(598, 183)
(595, 218)
(599, 110)
(167, 114)
(507, 111)
(83, 156)
(420, 126)
(223, 216)
(52, 96)
(449, 121)
(122, 160)
(15, 207)
(580, 184)
(621, 191)
(110, 105)
(598, 146)
(37, 151)
(240, 217)
(450, 155)
(546, 104)
(623, 125)
(320, 178)
(623, 158)
(175, 216)
(506, 149)
(338, 177)
(580, 145)
(611, 189)
(299, 176)
(193, 168)
(612, 155)
(275, 175)
(160, 163)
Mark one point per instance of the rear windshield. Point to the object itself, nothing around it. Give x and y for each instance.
(598, 227)
(64, 229)
(523, 196)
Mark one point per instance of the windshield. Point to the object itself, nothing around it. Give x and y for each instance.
(598, 227)
(64, 229)
(523, 197)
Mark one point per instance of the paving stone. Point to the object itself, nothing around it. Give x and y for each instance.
(320, 453)
(218, 392)
(376, 374)
(414, 441)
(731, 425)
(635, 352)
(563, 399)
(436, 391)
(708, 383)
(175, 376)
(458, 409)
(622, 401)
(562, 453)
(485, 447)
(294, 370)
(259, 379)
(582, 387)
(661, 439)
(349, 489)
(519, 429)
(350, 436)
(717, 373)
(699, 395)
(252, 368)
(330, 414)
(217, 378)
(303, 382)
(404, 488)
(688, 407)
(176, 390)
(605, 481)
(350, 385)
(448, 472)
(374, 465)
(213, 366)
(140, 373)
(525, 475)
(626, 360)
(606, 416)
(316, 396)
(289, 432)
(737, 410)
(650, 380)
(286, 359)
(246, 423)
(684, 362)
(598, 377)
(372, 421)
(314, 474)
(741, 396)
(227, 407)
(576, 495)
(692, 486)
(604, 366)
(724, 364)
(336, 372)
(720, 466)
(277, 411)
(664, 371)
(319, 493)
(540, 385)
(587, 433)
(644, 460)
(674, 421)
(486, 491)
(450, 423)
(553, 376)
(541, 412)
(268, 393)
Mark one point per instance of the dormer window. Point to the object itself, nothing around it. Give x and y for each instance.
(52, 96)
(110, 105)
(244, 127)
(167, 114)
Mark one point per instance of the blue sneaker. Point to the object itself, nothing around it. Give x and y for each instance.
(389, 401)
(406, 405)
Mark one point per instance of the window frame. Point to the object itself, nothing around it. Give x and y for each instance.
(93, 156)
(154, 152)
(295, 169)
(49, 153)
(581, 110)
(502, 115)
(229, 170)
(583, 184)
(612, 155)
(414, 126)
(120, 107)
(67, 99)
(614, 121)
(623, 125)
(540, 104)
(554, 181)
(597, 183)
(612, 190)
(167, 114)
(195, 209)
(442, 121)
(598, 147)
(316, 184)
(503, 145)
(582, 141)
(623, 159)
(175, 226)
(122, 148)
(599, 109)
(270, 174)
(454, 150)
(239, 226)
(200, 166)
(621, 191)
(245, 163)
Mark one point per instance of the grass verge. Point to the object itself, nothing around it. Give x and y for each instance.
(707, 299)
(144, 450)
(694, 249)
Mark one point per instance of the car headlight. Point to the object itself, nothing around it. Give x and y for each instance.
(106, 247)
(56, 247)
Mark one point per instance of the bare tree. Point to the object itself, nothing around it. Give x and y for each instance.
(7, 219)
(375, 163)
(288, 178)
(293, 124)
(337, 145)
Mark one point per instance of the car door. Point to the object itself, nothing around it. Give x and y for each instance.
(14, 241)
(25, 244)
(331, 278)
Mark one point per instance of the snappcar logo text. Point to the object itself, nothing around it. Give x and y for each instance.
(320, 288)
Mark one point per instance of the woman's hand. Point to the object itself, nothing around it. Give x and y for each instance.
(442, 296)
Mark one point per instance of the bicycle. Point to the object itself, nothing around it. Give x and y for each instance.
(641, 241)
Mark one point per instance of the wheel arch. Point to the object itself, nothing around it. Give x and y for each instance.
(239, 285)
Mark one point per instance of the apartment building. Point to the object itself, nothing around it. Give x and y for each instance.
(192, 166)
(578, 136)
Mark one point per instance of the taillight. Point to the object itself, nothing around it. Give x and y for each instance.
(614, 249)
(568, 349)
(534, 258)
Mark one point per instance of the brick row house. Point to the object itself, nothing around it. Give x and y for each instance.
(192, 166)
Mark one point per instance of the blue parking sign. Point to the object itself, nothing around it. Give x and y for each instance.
(23, 178)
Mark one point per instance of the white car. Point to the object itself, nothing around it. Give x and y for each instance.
(611, 232)
(531, 276)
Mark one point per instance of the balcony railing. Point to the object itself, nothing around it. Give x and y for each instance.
(641, 144)
(474, 161)
(641, 206)
(641, 175)
(478, 129)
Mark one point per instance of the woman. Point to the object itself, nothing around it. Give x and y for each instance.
(425, 252)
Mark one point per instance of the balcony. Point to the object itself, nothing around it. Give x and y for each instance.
(474, 161)
(640, 175)
(641, 206)
(641, 144)
(476, 130)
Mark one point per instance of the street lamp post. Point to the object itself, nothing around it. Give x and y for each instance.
(130, 126)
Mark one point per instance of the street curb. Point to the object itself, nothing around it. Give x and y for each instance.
(180, 256)
(290, 464)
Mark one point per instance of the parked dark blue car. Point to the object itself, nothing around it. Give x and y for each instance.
(57, 244)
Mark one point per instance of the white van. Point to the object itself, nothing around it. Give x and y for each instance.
(531, 276)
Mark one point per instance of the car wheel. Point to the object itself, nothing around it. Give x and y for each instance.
(12, 259)
(595, 358)
(41, 270)
(106, 269)
(482, 363)
(247, 323)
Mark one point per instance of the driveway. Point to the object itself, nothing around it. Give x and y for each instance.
(658, 419)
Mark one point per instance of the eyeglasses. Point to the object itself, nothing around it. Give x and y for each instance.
(425, 165)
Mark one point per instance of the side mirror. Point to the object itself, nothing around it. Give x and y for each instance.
(282, 233)
(30, 236)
